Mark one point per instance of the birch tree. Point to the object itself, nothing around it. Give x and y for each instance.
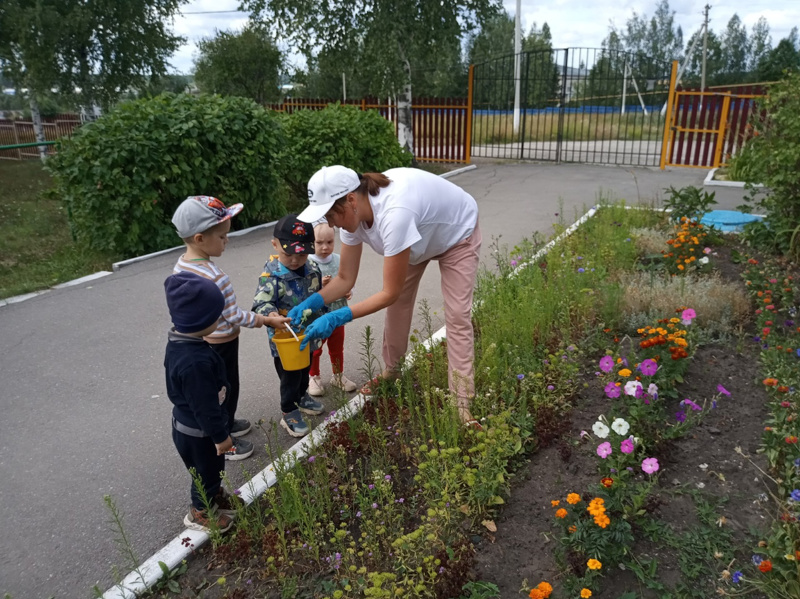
(91, 52)
(393, 37)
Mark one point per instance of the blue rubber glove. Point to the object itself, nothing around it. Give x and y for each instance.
(323, 327)
(313, 302)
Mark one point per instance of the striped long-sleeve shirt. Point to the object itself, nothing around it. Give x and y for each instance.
(233, 317)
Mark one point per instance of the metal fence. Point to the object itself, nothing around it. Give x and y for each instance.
(574, 105)
(439, 124)
(16, 132)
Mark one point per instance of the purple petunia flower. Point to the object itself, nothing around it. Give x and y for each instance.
(691, 404)
(723, 390)
(612, 390)
(648, 367)
(606, 363)
(680, 416)
(626, 446)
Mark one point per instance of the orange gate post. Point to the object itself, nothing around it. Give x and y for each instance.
(668, 117)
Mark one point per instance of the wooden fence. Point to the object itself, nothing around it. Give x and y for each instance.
(440, 124)
(14, 132)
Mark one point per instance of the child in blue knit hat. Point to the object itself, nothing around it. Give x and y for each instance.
(197, 385)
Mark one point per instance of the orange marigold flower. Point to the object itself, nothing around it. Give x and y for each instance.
(770, 382)
(555, 502)
(594, 564)
(572, 529)
(536, 594)
(783, 389)
(585, 593)
(792, 439)
(602, 520)
(561, 513)
(573, 498)
(625, 372)
(607, 482)
(545, 588)
(765, 566)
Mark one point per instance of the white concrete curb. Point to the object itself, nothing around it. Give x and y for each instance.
(709, 181)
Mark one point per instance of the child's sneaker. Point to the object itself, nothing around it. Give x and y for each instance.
(310, 406)
(240, 427)
(224, 502)
(344, 383)
(315, 387)
(198, 520)
(241, 449)
(294, 424)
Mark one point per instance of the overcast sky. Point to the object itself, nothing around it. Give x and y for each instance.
(573, 23)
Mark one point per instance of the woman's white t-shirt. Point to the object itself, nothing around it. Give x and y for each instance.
(418, 210)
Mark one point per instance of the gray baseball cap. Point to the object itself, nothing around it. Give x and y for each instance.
(199, 213)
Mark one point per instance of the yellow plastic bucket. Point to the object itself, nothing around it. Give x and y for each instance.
(292, 357)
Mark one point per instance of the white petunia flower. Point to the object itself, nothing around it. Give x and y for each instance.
(703, 260)
(600, 430)
(620, 426)
(631, 387)
(652, 390)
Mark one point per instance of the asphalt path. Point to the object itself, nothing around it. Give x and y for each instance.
(85, 411)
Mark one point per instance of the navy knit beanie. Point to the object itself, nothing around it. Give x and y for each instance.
(194, 302)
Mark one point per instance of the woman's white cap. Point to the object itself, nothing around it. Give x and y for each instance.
(327, 185)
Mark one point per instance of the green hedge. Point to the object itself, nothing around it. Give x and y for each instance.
(362, 140)
(122, 176)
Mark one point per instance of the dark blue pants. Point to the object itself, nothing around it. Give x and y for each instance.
(294, 384)
(200, 453)
(229, 352)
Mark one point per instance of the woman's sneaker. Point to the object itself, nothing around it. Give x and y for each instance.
(294, 424)
(315, 387)
(240, 427)
(199, 520)
(241, 449)
(310, 406)
(342, 382)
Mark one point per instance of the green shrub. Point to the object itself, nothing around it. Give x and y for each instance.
(361, 140)
(774, 156)
(122, 176)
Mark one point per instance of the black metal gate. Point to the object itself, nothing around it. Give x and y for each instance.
(570, 105)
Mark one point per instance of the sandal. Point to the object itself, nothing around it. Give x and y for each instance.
(372, 386)
(473, 424)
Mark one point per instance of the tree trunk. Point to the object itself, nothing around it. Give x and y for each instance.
(405, 123)
(38, 129)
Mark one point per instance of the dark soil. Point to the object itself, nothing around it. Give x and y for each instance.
(526, 542)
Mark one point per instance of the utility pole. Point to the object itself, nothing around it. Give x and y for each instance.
(344, 88)
(517, 66)
(705, 48)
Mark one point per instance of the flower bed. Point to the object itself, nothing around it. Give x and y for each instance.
(395, 500)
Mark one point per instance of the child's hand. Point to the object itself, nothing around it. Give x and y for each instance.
(224, 446)
(276, 321)
(349, 295)
(326, 279)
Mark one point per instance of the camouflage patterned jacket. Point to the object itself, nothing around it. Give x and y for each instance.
(280, 290)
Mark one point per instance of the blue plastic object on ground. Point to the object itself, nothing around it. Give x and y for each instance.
(728, 220)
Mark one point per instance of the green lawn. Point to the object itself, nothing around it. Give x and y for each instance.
(36, 249)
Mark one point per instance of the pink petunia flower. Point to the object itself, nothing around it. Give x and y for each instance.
(687, 316)
(626, 446)
(612, 390)
(723, 390)
(604, 450)
(606, 363)
(650, 465)
(632, 388)
(691, 404)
